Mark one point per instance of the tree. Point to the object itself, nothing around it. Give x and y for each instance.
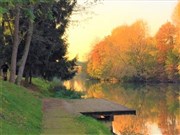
(17, 7)
(171, 66)
(48, 35)
(139, 56)
(54, 17)
(176, 15)
(5, 39)
(48, 20)
(27, 45)
(176, 20)
(95, 65)
(15, 43)
(165, 39)
(127, 52)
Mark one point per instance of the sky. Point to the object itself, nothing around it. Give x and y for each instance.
(99, 20)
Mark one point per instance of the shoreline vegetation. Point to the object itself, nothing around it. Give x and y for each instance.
(133, 80)
(83, 73)
(21, 108)
(130, 54)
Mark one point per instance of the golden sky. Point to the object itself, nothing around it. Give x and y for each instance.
(110, 14)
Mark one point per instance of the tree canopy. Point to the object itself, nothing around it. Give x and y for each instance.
(130, 54)
(33, 33)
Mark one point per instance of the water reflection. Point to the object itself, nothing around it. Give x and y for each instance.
(157, 106)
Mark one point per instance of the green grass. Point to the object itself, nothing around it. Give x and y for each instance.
(21, 114)
(20, 111)
(43, 86)
(76, 125)
(92, 126)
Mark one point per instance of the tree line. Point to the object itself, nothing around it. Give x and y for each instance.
(32, 38)
(131, 54)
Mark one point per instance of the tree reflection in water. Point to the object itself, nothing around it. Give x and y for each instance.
(157, 107)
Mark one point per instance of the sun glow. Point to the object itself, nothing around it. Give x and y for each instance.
(109, 15)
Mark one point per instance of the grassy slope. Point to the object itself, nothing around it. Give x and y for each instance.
(92, 126)
(20, 111)
(43, 87)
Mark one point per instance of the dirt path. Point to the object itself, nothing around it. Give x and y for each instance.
(59, 119)
(60, 115)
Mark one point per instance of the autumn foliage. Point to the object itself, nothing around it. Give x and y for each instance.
(129, 53)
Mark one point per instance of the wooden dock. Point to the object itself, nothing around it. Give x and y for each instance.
(58, 113)
(98, 107)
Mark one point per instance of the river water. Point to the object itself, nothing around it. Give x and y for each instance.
(157, 105)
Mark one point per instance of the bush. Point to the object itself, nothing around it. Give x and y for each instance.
(69, 94)
(55, 89)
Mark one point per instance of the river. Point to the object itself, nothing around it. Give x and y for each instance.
(157, 105)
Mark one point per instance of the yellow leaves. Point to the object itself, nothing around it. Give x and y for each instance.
(130, 52)
(165, 36)
(125, 36)
(109, 57)
(98, 59)
(165, 39)
(176, 20)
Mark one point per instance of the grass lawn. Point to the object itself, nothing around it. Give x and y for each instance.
(92, 126)
(20, 111)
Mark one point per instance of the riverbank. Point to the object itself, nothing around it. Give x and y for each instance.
(21, 112)
(60, 118)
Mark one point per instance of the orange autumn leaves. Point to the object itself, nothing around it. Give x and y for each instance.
(176, 20)
(115, 56)
(130, 54)
(165, 39)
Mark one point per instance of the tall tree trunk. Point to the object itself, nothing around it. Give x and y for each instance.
(15, 46)
(26, 51)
